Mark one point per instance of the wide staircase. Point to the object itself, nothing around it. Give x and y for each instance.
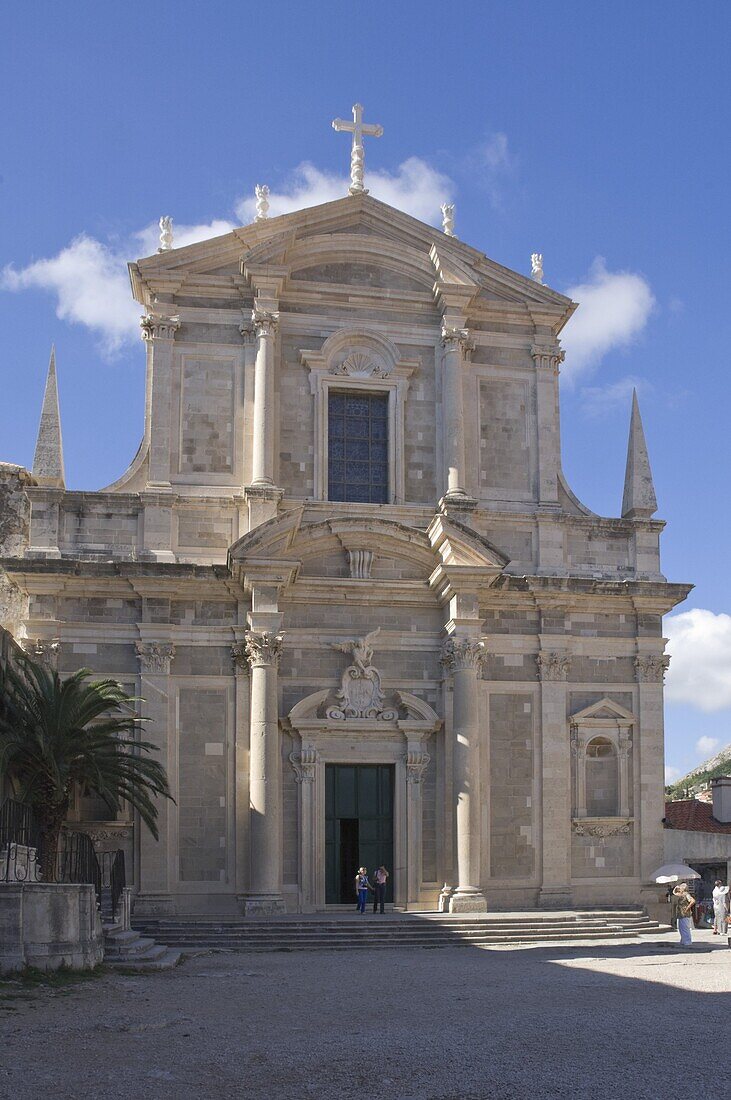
(346, 931)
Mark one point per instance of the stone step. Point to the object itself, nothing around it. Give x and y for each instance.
(165, 958)
(130, 949)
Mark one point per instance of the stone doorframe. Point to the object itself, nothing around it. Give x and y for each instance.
(401, 742)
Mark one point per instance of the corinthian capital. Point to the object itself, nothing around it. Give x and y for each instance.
(155, 657)
(548, 356)
(159, 328)
(43, 650)
(264, 321)
(651, 667)
(416, 765)
(462, 653)
(263, 648)
(454, 338)
(240, 657)
(553, 666)
(304, 764)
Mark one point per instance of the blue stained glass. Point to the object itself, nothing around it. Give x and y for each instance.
(357, 449)
(358, 406)
(356, 427)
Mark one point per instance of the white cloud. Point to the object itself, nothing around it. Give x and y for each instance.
(597, 401)
(416, 188)
(91, 286)
(496, 154)
(706, 745)
(699, 642)
(671, 774)
(614, 308)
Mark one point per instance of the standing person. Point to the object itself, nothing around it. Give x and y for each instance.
(380, 879)
(686, 901)
(362, 886)
(720, 915)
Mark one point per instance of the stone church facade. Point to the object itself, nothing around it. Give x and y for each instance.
(369, 620)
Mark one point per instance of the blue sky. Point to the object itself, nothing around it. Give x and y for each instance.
(593, 133)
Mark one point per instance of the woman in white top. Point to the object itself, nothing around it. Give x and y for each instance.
(362, 886)
(720, 910)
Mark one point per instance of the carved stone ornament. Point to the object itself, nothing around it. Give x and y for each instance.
(416, 765)
(43, 650)
(159, 328)
(240, 657)
(246, 328)
(263, 648)
(265, 322)
(456, 339)
(360, 694)
(448, 218)
(553, 666)
(536, 267)
(155, 657)
(548, 356)
(166, 233)
(359, 365)
(360, 562)
(652, 667)
(262, 202)
(602, 831)
(462, 653)
(99, 836)
(304, 764)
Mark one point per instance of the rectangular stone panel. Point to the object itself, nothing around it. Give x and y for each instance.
(512, 852)
(504, 443)
(205, 530)
(206, 415)
(601, 857)
(202, 783)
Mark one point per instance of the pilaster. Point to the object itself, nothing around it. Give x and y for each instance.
(650, 759)
(553, 668)
(241, 765)
(158, 332)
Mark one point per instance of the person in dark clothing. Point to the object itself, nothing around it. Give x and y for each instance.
(380, 878)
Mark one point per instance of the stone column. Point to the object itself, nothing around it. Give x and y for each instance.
(547, 358)
(650, 759)
(157, 857)
(241, 765)
(457, 347)
(265, 327)
(264, 895)
(556, 791)
(158, 332)
(417, 762)
(305, 763)
(462, 656)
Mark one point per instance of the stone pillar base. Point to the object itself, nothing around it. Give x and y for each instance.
(262, 905)
(555, 897)
(473, 902)
(263, 502)
(457, 502)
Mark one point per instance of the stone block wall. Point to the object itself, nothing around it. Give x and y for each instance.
(203, 751)
(602, 857)
(512, 825)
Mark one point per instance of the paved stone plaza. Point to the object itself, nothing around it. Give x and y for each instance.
(636, 1020)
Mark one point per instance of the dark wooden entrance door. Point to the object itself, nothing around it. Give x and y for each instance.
(358, 826)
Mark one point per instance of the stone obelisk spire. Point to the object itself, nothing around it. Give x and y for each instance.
(639, 501)
(48, 457)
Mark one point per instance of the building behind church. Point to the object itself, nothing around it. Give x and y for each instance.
(369, 618)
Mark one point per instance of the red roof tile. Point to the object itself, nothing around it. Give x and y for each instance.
(693, 815)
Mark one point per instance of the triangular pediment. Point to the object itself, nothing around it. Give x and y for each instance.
(359, 231)
(604, 710)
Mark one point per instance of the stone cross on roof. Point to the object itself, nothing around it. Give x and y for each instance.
(359, 129)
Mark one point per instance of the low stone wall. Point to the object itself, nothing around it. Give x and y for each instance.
(48, 925)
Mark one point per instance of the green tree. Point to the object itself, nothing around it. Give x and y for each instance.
(57, 736)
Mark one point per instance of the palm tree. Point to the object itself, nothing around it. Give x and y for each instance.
(57, 736)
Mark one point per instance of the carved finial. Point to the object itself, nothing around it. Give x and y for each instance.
(166, 233)
(262, 202)
(448, 218)
(359, 129)
(48, 466)
(536, 267)
(639, 500)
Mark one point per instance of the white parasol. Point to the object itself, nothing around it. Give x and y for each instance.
(674, 872)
